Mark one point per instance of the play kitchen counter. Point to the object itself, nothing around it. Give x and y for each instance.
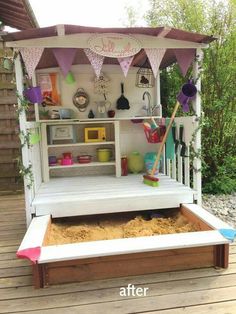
(53, 264)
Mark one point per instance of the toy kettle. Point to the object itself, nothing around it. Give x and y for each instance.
(102, 108)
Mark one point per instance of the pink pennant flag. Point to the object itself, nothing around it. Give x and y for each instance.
(184, 58)
(155, 56)
(31, 57)
(125, 64)
(65, 58)
(95, 59)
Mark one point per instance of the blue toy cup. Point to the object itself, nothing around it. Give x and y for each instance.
(149, 160)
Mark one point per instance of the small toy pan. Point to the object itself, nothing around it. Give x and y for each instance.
(122, 102)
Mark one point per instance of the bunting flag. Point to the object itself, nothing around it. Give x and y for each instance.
(184, 58)
(65, 58)
(155, 56)
(31, 57)
(95, 59)
(125, 64)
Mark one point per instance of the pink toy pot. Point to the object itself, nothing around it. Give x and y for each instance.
(67, 162)
(67, 155)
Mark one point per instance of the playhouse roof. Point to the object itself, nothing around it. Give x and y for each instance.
(17, 14)
(48, 60)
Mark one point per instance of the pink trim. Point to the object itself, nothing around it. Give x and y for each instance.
(32, 254)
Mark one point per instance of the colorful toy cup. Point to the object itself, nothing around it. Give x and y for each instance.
(52, 160)
(104, 154)
(33, 94)
(111, 113)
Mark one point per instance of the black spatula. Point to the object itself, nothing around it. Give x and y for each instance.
(122, 102)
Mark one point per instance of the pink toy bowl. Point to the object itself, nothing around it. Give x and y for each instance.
(66, 162)
(84, 159)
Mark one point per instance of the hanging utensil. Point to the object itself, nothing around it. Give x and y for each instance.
(122, 102)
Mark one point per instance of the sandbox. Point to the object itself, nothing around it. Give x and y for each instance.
(118, 226)
(138, 244)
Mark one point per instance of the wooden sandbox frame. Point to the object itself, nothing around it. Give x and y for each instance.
(122, 257)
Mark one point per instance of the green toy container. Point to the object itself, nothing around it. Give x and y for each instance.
(135, 162)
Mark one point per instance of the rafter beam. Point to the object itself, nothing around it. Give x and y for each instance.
(81, 41)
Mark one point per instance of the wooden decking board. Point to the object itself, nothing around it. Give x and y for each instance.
(110, 294)
(216, 308)
(192, 291)
(130, 305)
(13, 282)
(8, 249)
(16, 271)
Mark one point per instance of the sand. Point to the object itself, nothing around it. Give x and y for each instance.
(106, 229)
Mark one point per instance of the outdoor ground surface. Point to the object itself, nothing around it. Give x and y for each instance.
(203, 291)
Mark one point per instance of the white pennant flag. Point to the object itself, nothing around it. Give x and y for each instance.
(125, 64)
(95, 60)
(155, 56)
(31, 57)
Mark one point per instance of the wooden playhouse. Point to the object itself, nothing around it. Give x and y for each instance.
(80, 120)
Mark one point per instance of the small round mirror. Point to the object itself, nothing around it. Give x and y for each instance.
(81, 100)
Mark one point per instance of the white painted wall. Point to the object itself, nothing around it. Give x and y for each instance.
(85, 75)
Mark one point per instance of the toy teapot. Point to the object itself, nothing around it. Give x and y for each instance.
(102, 108)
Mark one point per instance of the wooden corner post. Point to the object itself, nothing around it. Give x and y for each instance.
(197, 176)
(29, 191)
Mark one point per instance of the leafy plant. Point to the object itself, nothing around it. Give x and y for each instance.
(218, 81)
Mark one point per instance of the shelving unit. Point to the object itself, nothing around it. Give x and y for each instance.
(48, 149)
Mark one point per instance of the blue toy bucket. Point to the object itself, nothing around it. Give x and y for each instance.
(149, 160)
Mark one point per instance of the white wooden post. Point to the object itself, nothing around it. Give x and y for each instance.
(117, 148)
(36, 106)
(197, 176)
(29, 192)
(157, 101)
(44, 151)
(186, 167)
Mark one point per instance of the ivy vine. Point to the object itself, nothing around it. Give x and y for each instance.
(196, 154)
(25, 172)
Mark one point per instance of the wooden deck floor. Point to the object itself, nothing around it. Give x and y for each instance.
(193, 291)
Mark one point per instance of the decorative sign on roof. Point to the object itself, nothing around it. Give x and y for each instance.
(114, 45)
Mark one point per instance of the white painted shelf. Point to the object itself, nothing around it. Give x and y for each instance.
(90, 164)
(81, 144)
(96, 120)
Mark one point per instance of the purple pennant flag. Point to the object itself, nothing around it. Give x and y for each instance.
(65, 58)
(125, 64)
(184, 58)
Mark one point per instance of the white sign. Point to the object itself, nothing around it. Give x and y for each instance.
(114, 45)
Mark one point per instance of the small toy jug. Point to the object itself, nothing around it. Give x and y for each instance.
(102, 108)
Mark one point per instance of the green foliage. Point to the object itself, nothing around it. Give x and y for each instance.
(218, 81)
(224, 181)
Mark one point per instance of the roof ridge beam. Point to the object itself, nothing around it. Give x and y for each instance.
(81, 41)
